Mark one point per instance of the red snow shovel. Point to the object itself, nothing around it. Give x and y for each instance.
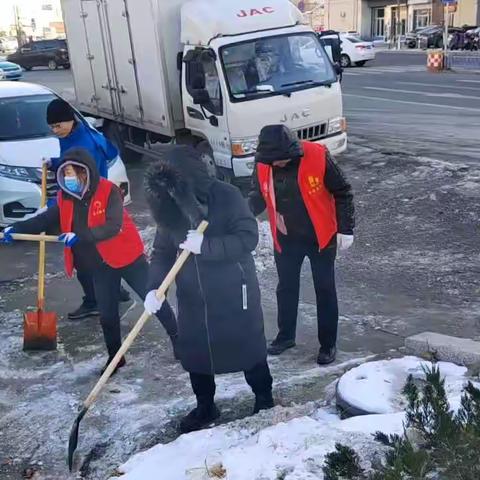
(161, 292)
(40, 327)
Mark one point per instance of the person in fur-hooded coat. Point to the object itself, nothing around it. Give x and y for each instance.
(220, 318)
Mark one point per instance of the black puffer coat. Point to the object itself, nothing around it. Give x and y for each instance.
(220, 319)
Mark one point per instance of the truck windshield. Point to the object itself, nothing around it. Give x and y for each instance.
(275, 66)
(24, 117)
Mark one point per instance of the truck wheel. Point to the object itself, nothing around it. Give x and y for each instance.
(114, 132)
(345, 61)
(52, 65)
(206, 155)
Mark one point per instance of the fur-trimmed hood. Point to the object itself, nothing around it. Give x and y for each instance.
(177, 189)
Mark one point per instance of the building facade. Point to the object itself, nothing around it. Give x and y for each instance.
(385, 19)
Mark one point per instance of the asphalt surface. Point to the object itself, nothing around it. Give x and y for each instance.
(413, 162)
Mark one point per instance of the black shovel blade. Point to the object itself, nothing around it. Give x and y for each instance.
(73, 440)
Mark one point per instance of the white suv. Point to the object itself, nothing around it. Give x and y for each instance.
(25, 138)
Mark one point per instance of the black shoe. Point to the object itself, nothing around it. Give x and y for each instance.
(120, 364)
(86, 309)
(174, 340)
(326, 355)
(279, 346)
(263, 402)
(200, 417)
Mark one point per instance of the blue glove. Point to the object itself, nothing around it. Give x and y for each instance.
(7, 235)
(69, 239)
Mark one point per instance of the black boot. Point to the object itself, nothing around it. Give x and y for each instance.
(279, 346)
(124, 295)
(200, 417)
(263, 402)
(120, 364)
(326, 355)
(86, 309)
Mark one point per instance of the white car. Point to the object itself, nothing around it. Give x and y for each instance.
(25, 138)
(355, 51)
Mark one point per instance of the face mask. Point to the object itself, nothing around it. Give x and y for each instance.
(72, 184)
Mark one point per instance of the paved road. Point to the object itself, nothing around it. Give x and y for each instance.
(407, 109)
(414, 267)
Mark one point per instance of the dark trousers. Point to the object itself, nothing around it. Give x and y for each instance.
(107, 286)
(289, 264)
(86, 281)
(259, 379)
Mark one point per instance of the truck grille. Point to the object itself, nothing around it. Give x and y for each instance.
(315, 132)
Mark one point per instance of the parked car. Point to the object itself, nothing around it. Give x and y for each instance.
(355, 51)
(25, 138)
(11, 71)
(8, 44)
(432, 37)
(411, 38)
(42, 53)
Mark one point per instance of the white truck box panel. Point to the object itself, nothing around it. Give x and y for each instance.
(134, 45)
(87, 57)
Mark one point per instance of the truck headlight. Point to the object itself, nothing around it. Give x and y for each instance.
(244, 146)
(16, 173)
(337, 125)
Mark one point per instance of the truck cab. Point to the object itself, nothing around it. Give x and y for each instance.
(245, 68)
(210, 73)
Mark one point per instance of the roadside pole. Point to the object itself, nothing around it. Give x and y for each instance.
(449, 6)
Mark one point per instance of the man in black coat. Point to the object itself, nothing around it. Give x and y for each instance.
(311, 213)
(220, 318)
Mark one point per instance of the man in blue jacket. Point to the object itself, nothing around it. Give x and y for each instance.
(72, 132)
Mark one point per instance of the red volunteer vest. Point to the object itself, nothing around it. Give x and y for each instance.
(118, 251)
(318, 200)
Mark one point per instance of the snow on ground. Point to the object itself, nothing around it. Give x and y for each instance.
(295, 448)
(376, 387)
(263, 254)
(291, 450)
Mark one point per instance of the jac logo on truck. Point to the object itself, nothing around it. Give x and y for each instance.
(255, 11)
(295, 116)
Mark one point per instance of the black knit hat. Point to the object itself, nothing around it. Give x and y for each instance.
(59, 110)
(278, 142)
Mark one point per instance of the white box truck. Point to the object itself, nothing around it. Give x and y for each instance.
(210, 73)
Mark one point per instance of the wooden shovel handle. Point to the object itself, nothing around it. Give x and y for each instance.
(33, 238)
(41, 246)
(161, 292)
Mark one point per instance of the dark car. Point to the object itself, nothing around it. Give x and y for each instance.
(42, 53)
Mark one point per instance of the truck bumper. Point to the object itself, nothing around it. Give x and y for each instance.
(336, 144)
(243, 167)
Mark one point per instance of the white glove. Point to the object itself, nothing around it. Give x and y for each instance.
(344, 242)
(193, 242)
(152, 304)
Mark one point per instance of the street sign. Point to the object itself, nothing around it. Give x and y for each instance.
(449, 2)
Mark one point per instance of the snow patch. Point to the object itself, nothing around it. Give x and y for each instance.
(263, 254)
(294, 449)
(376, 387)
